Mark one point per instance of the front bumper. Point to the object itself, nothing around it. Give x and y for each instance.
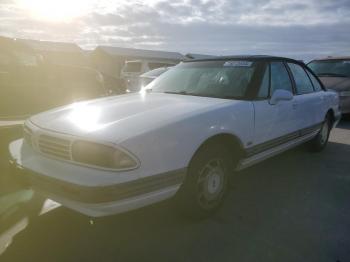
(100, 200)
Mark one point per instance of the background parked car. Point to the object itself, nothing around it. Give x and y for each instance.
(148, 77)
(132, 71)
(30, 84)
(334, 72)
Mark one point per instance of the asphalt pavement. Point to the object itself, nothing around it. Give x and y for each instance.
(293, 207)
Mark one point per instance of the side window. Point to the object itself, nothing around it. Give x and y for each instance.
(280, 78)
(302, 81)
(265, 84)
(26, 59)
(317, 85)
(133, 67)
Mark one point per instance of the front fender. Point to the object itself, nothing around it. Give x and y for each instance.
(172, 146)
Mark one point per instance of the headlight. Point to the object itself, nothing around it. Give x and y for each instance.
(100, 155)
(344, 93)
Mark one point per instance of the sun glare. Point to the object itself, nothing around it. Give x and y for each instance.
(56, 10)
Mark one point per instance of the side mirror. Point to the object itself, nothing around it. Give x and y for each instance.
(280, 95)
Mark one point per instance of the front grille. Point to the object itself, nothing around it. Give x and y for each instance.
(56, 147)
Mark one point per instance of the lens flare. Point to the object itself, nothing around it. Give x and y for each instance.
(85, 117)
(56, 10)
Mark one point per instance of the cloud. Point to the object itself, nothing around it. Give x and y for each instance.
(301, 29)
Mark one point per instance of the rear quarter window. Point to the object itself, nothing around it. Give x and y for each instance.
(315, 82)
(302, 81)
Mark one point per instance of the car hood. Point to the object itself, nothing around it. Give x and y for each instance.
(336, 83)
(117, 118)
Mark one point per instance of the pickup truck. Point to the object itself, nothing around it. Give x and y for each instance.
(184, 136)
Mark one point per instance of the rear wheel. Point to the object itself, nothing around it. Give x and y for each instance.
(206, 184)
(321, 140)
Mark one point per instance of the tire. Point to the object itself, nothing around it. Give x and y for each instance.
(320, 141)
(206, 183)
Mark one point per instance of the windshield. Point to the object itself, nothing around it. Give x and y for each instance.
(336, 68)
(222, 79)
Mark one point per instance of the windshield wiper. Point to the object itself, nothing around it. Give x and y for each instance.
(185, 93)
(189, 94)
(202, 95)
(332, 75)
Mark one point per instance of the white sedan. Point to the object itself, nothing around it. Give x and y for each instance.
(184, 136)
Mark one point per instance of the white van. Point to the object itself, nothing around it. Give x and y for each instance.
(132, 71)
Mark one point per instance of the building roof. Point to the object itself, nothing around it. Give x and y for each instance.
(140, 53)
(51, 46)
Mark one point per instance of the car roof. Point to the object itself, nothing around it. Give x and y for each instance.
(332, 58)
(246, 57)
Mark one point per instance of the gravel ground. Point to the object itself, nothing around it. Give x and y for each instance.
(294, 207)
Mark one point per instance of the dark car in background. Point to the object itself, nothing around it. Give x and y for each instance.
(334, 72)
(29, 84)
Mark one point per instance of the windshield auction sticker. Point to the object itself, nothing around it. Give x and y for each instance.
(238, 64)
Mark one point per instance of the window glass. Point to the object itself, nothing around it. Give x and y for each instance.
(280, 77)
(133, 67)
(26, 59)
(302, 81)
(265, 84)
(222, 79)
(333, 67)
(154, 65)
(314, 81)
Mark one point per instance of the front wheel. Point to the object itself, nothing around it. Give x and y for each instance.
(206, 183)
(321, 140)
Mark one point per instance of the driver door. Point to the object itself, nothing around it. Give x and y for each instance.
(274, 124)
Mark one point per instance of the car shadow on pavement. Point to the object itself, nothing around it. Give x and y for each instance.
(293, 207)
(344, 124)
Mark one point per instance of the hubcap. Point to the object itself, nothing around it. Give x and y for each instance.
(211, 183)
(214, 182)
(324, 132)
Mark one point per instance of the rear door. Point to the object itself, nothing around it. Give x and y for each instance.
(308, 102)
(274, 124)
(323, 103)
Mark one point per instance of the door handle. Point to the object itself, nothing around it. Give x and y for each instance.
(294, 105)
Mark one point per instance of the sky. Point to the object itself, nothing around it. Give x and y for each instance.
(301, 29)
